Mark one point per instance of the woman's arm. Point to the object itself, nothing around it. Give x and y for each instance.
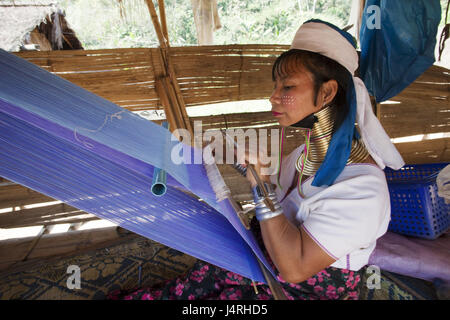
(295, 254)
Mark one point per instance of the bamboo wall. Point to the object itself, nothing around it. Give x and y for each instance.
(208, 74)
(213, 74)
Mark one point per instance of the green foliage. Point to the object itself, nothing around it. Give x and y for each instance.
(127, 23)
(274, 21)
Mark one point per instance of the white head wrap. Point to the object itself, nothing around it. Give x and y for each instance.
(321, 38)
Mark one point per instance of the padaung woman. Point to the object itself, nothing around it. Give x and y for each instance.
(330, 194)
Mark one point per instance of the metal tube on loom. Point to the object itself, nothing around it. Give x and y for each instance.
(159, 187)
(159, 182)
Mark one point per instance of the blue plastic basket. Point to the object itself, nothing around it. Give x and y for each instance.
(416, 208)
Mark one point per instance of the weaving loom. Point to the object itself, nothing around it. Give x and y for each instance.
(83, 150)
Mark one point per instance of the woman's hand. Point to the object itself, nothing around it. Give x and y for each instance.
(258, 166)
(245, 154)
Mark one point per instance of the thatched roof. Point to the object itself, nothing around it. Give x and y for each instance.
(19, 17)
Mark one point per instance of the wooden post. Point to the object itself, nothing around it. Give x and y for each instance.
(376, 107)
(44, 230)
(378, 111)
(166, 83)
(156, 24)
(162, 13)
(162, 93)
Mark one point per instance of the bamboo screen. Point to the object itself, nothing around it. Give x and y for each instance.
(208, 74)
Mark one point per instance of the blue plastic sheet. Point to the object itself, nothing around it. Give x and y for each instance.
(399, 49)
(67, 143)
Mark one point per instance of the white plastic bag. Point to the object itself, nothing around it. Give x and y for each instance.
(443, 184)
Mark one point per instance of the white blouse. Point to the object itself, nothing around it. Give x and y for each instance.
(344, 219)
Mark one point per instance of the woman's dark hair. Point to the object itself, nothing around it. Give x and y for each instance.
(323, 69)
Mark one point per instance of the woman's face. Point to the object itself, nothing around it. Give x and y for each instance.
(293, 97)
